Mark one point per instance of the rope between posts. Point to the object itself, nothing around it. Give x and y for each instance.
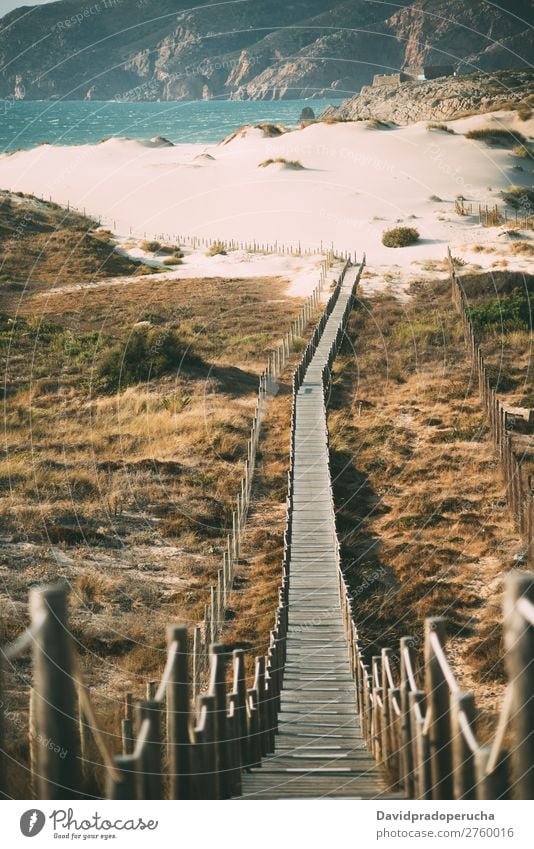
(25, 640)
(444, 664)
(88, 710)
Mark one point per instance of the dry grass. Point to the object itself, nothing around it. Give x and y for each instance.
(44, 245)
(128, 496)
(440, 128)
(496, 136)
(420, 502)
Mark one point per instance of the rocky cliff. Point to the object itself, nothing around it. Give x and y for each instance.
(148, 50)
(441, 99)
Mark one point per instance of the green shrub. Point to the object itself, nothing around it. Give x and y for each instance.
(151, 246)
(143, 354)
(172, 260)
(511, 312)
(400, 237)
(216, 249)
(496, 135)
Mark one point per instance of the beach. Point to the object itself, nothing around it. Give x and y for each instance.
(340, 184)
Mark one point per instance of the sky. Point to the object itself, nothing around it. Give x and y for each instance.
(7, 5)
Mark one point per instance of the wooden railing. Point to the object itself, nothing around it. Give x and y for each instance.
(514, 450)
(185, 740)
(421, 725)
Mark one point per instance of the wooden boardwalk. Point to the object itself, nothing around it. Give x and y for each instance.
(320, 750)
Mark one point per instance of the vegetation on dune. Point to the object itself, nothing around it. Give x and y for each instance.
(496, 136)
(293, 164)
(144, 354)
(441, 128)
(520, 197)
(173, 260)
(400, 237)
(509, 312)
(43, 244)
(523, 151)
(217, 249)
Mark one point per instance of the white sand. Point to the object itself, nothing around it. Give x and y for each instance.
(358, 181)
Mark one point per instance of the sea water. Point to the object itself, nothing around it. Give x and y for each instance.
(26, 124)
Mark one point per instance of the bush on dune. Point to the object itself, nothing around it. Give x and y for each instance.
(288, 163)
(217, 249)
(520, 198)
(440, 128)
(143, 354)
(151, 246)
(400, 237)
(496, 135)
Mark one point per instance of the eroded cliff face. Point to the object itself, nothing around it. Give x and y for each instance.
(250, 50)
(439, 100)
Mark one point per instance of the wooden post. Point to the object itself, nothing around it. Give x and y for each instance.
(126, 788)
(437, 694)
(217, 688)
(494, 784)
(463, 759)
(420, 748)
(57, 732)
(204, 763)
(177, 691)
(240, 692)
(150, 776)
(406, 760)
(197, 639)
(519, 655)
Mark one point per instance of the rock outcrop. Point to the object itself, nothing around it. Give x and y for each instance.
(438, 100)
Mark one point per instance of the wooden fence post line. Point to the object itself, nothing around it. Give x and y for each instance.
(57, 744)
(519, 654)
(177, 705)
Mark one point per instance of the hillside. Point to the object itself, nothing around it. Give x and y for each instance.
(246, 50)
(442, 99)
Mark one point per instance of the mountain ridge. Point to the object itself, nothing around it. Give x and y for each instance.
(118, 49)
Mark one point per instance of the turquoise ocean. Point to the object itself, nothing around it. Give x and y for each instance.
(25, 124)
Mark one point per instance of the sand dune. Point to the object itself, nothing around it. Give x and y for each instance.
(356, 182)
